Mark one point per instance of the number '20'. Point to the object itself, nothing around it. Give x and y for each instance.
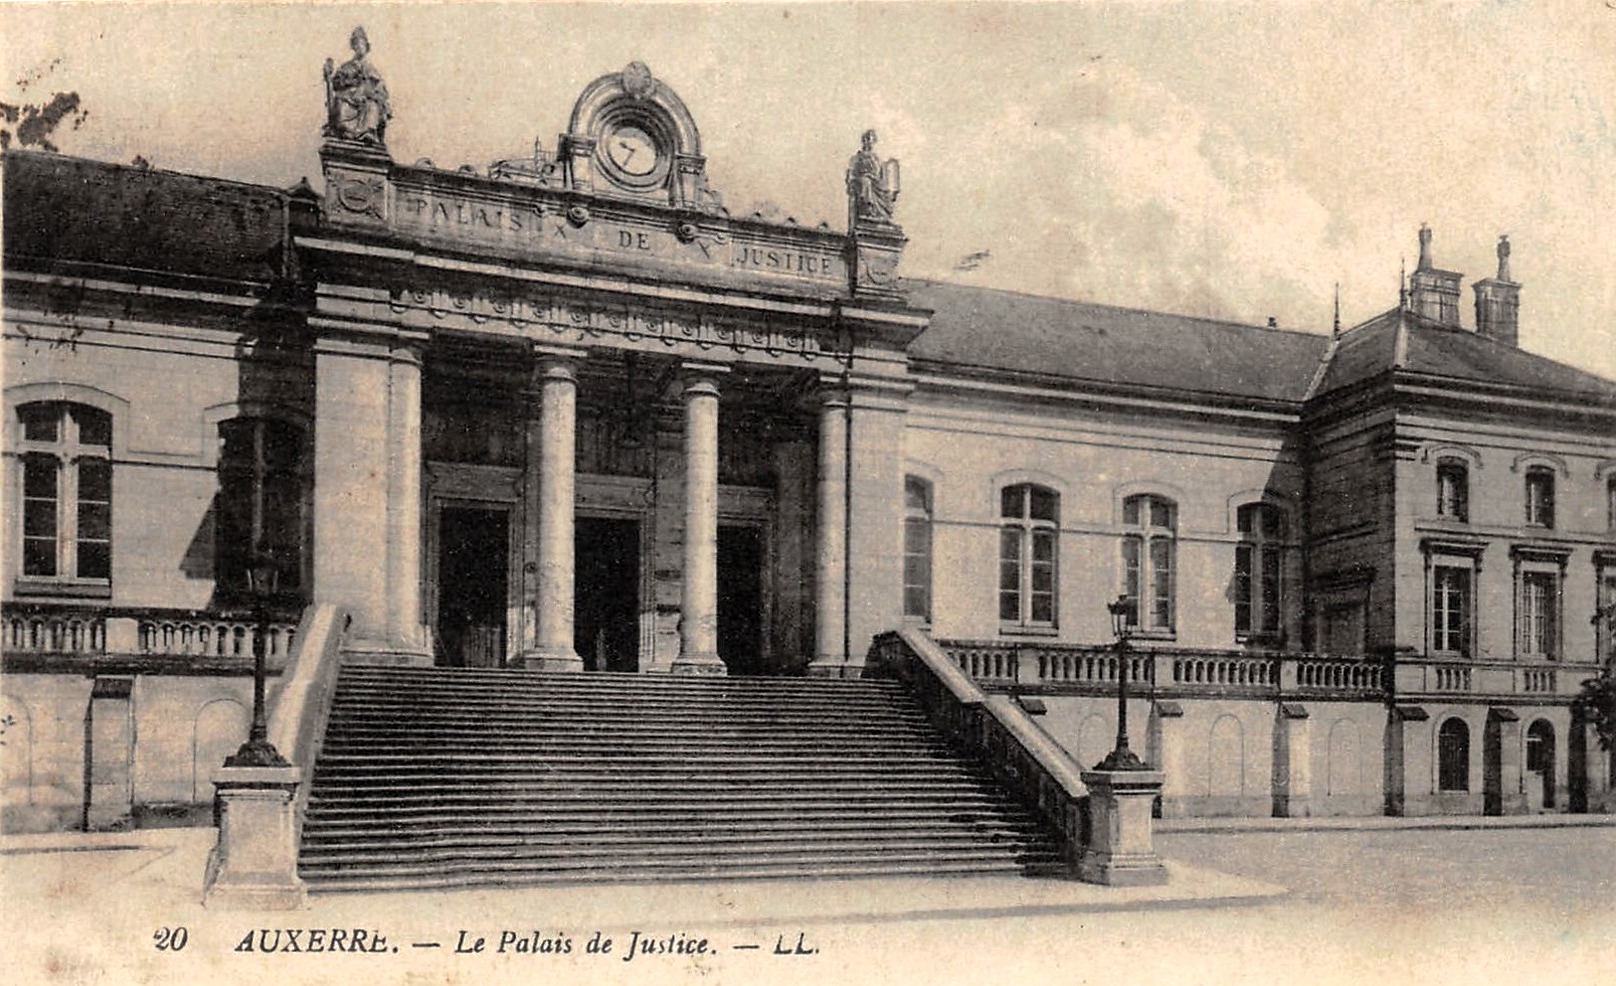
(170, 939)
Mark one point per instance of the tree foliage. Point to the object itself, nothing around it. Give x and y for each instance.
(34, 124)
(1597, 704)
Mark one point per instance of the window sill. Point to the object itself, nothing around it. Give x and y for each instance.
(1168, 635)
(72, 589)
(1266, 638)
(1017, 630)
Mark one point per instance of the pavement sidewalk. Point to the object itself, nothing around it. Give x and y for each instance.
(1385, 823)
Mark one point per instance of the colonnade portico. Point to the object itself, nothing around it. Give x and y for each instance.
(552, 502)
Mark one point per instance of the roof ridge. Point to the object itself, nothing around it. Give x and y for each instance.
(1223, 322)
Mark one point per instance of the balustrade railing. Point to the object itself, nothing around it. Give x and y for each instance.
(1225, 670)
(206, 636)
(42, 629)
(1337, 674)
(1083, 667)
(1538, 680)
(54, 631)
(987, 662)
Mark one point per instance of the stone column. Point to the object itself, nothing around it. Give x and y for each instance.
(405, 629)
(558, 423)
(698, 610)
(830, 569)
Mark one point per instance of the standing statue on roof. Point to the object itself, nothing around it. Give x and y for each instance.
(355, 97)
(872, 187)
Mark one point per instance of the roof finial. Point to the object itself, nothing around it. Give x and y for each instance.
(1335, 330)
(1503, 256)
(1425, 248)
(1402, 284)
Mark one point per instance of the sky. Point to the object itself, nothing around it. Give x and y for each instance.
(1233, 160)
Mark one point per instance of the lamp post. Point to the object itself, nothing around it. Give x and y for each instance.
(263, 576)
(1122, 621)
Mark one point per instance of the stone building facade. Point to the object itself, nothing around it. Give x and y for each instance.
(569, 413)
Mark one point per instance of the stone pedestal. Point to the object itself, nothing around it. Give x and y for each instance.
(254, 864)
(1121, 851)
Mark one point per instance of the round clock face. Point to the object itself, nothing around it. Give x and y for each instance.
(632, 150)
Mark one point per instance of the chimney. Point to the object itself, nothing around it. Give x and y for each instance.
(1433, 293)
(1498, 302)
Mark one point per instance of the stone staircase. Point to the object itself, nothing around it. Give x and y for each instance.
(447, 778)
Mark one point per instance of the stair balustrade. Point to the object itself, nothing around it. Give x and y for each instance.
(994, 729)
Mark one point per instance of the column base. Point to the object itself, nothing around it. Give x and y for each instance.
(406, 654)
(708, 663)
(832, 667)
(559, 659)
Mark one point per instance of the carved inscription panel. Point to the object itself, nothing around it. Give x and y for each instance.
(533, 228)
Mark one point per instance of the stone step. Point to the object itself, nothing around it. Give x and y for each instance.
(617, 871)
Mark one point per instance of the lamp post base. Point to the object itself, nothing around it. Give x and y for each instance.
(1121, 851)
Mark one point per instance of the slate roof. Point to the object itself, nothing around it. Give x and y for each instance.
(993, 330)
(1403, 340)
(60, 208)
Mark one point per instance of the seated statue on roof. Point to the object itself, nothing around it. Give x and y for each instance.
(872, 187)
(355, 96)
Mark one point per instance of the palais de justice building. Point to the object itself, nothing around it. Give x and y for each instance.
(569, 413)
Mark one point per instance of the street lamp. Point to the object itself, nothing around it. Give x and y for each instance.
(1122, 622)
(263, 577)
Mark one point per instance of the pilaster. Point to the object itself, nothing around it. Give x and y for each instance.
(367, 489)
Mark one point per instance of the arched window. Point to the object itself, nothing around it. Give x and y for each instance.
(917, 548)
(262, 504)
(1258, 561)
(1453, 756)
(1149, 560)
(1029, 525)
(1453, 490)
(1540, 497)
(66, 452)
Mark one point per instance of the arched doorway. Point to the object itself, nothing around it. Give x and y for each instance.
(1540, 766)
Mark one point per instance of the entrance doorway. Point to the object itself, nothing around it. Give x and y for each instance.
(606, 597)
(473, 584)
(740, 599)
(1539, 766)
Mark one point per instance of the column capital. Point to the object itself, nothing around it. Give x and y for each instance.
(701, 376)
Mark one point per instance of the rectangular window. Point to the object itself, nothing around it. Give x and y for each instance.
(1028, 555)
(917, 568)
(1010, 575)
(66, 498)
(1540, 498)
(1149, 549)
(1450, 610)
(1539, 614)
(1606, 616)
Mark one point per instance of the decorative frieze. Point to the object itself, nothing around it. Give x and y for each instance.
(541, 317)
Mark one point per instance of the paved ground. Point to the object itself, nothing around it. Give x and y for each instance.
(1285, 903)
